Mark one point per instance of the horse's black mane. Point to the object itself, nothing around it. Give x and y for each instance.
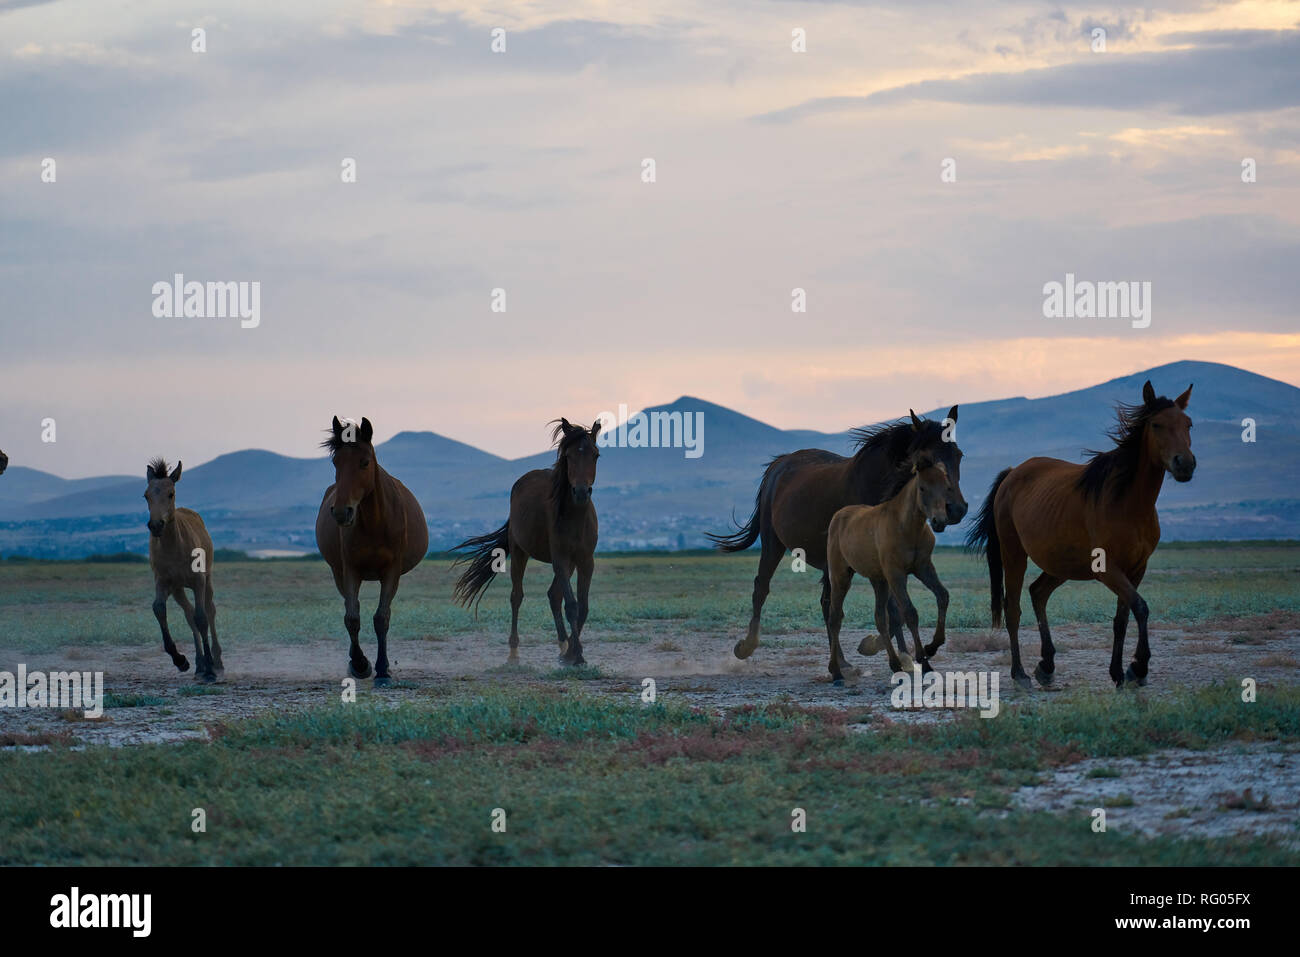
(335, 443)
(1120, 462)
(160, 467)
(897, 441)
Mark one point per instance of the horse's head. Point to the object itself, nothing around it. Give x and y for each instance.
(934, 443)
(1168, 438)
(4, 462)
(932, 490)
(160, 493)
(575, 460)
(353, 456)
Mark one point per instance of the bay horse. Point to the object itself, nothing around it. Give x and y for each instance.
(801, 491)
(552, 519)
(1094, 521)
(885, 543)
(369, 528)
(180, 555)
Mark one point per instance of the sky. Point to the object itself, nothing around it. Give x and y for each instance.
(524, 171)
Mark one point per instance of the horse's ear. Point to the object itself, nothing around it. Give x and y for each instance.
(1148, 393)
(916, 423)
(1183, 399)
(338, 426)
(566, 425)
(149, 473)
(952, 413)
(367, 430)
(176, 473)
(596, 427)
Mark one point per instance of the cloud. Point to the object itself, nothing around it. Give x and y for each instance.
(1240, 71)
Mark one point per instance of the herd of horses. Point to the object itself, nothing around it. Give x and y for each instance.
(873, 513)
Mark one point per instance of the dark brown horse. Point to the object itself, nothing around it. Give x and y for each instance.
(1091, 522)
(801, 491)
(369, 528)
(180, 555)
(552, 519)
(4, 462)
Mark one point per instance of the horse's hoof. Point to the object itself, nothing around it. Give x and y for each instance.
(383, 681)
(905, 665)
(362, 672)
(837, 682)
(743, 649)
(926, 668)
(932, 649)
(207, 677)
(869, 645)
(182, 664)
(1043, 675)
(1022, 681)
(1130, 677)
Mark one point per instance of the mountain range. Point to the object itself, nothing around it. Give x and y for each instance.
(659, 498)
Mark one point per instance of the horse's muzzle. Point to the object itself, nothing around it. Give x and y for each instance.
(956, 512)
(1182, 468)
(344, 516)
(156, 529)
(938, 524)
(582, 494)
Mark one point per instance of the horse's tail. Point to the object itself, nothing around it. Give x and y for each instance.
(474, 581)
(744, 535)
(983, 538)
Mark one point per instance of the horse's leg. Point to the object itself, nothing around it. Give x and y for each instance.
(573, 654)
(1142, 654)
(586, 566)
(201, 665)
(555, 595)
(871, 644)
(1039, 592)
(518, 563)
(898, 589)
(387, 589)
(212, 629)
(1124, 590)
(836, 581)
(896, 623)
(928, 577)
(160, 612)
(350, 587)
(201, 619)
(768, 560)
(1014, 562)
(1119, 627)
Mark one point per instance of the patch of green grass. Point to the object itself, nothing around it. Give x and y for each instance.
(190, 691)
(587, 779)
(114, 700)
(580, 673)
(1103, 773)
(52, 605)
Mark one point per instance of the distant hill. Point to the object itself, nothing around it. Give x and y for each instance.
(658, 498)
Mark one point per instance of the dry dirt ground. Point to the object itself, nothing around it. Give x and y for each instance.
(698, 668)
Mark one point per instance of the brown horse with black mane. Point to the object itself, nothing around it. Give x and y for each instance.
(552, 518)
(801, 491)
(1091, 522)
(369, 528)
